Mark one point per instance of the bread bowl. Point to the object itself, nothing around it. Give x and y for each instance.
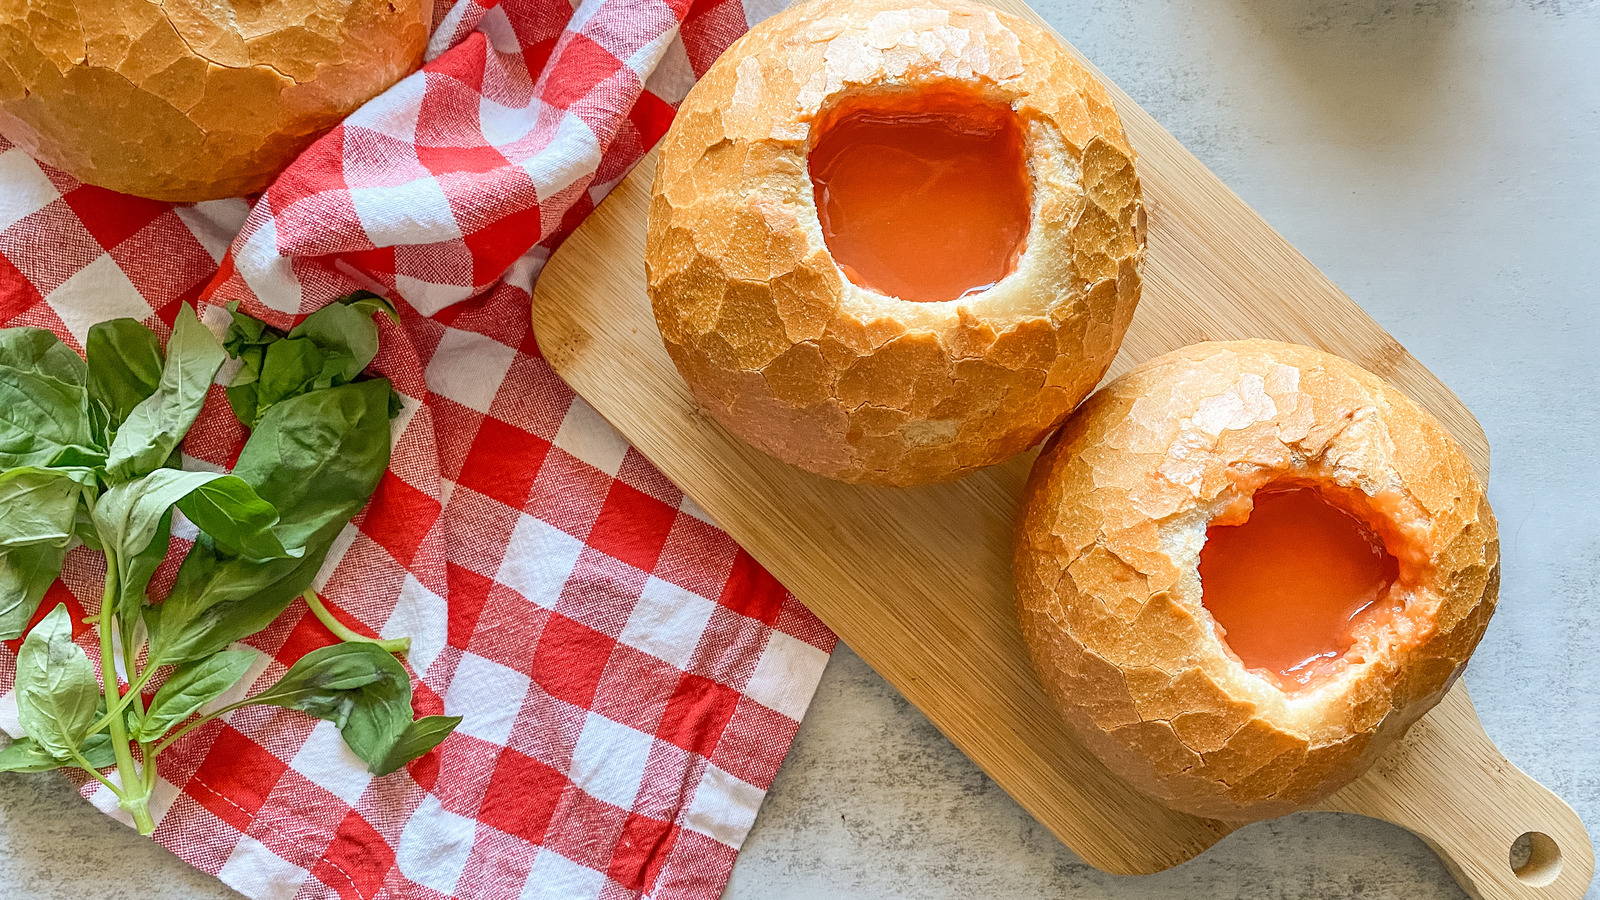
(794, 338)
(1137, 522)
(186, 100)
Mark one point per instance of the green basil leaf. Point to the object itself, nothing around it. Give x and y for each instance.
(135, 518)
(376, 721)
(135, 572)
(218, 600)
(245, 331)
(38, 517)
(44, 403)
(39, 351)
(83, 527)
(155, 427)
(243, 391)
(246, 340)
(240, 522)
(317, 459)
(190, 687)
(369, 304)
(125, 361)
(347, 337)
(26, 573)
(365, 692)
(56, 689)
(25, 755)
(98, 749)
(418, 738)
(330, 348)
(222, 506)
(40, 506)
(330, 682)
(289, 369)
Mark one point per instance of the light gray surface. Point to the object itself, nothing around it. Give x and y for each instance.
(1439, 161)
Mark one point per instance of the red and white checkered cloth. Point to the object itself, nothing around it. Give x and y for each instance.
(629, 678)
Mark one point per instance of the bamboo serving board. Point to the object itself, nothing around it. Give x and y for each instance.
(918, 581)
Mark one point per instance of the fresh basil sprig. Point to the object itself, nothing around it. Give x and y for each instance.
(89, 454)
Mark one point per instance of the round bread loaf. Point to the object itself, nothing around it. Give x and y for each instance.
(185, 100)
(776, 340)
(1110, 555)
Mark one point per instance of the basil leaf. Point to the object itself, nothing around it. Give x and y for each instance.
(135, 572)
(418, 738)
(243, 392)
(135, 519)
(44, 404)
(40, 506)
(125, 361)
(56, 689)
(346, 335)
(369, 304)
(38, 517)
(245, 331)
(240, 522)
(365, 692)
(26, 573)
(218, 600)
(317, 459)
(289, 369)
(83, 527)
(25, 755)
(154, 428)
(39, 351)
(222, 506)
(190, 687)
(329, 682)
(330, 348)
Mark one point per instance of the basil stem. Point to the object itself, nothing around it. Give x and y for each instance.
(347, 634)
(134, 798)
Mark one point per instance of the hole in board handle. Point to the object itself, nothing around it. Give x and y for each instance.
(1535, 858)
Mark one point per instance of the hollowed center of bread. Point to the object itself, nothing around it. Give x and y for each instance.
(1301, 586)
(922, 194)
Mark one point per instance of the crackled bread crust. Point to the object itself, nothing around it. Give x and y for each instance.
(786, 352)
(1108, 588)
(186, 100)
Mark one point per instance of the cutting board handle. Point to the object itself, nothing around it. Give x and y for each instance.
(1447, 783)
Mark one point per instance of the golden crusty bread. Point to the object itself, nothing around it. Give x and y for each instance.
(1109, 594)
(188, 100)
(785, 351)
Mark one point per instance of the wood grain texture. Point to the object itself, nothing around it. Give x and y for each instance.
(918, 581)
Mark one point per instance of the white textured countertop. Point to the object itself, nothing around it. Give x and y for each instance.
(1440, 160)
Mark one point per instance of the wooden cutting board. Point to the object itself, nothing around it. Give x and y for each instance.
(918, 581)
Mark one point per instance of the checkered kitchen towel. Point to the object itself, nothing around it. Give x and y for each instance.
(629, 679)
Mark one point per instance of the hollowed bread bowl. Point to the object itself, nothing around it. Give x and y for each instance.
(1113, 529)
(776, 341)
